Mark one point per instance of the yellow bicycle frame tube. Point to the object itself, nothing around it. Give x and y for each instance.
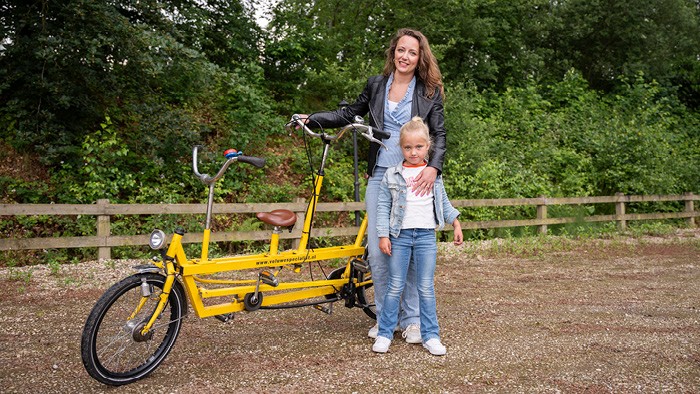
(308, 218)
(205, 245)
(167, 287)
(285, 292)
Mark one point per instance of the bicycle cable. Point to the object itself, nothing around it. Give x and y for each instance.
(314, 180)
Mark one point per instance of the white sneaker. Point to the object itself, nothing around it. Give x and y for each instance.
(435, 347)
(381, 345)
(412, 334)
(373, 331)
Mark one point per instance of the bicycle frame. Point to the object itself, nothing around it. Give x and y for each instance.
(238, 292)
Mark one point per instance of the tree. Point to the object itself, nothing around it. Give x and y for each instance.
(168, 74)
(605, 39)
(496, 44)
(66, 65)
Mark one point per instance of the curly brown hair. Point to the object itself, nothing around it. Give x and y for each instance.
(427, 70)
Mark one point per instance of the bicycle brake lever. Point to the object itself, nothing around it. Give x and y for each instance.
(375, 139)
(289, 128)
(293, 124)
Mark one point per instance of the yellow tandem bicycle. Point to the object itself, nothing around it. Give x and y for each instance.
(134, 324)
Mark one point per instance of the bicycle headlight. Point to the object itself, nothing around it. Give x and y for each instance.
(157, 239)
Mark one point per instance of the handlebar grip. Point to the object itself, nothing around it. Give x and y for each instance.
(381, 134)
(256, 161)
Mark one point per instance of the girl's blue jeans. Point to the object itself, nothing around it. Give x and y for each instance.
(379, 262)
(413, 247)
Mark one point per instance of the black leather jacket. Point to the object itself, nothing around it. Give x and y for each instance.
(371, 101)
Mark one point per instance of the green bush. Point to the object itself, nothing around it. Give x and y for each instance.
(565, 140)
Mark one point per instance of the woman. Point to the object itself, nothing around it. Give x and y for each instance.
(410, 85)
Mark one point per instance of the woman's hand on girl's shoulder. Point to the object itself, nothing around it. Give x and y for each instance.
(424, 182)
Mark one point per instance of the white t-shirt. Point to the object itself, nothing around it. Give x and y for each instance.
(419, 209)
(393, 105)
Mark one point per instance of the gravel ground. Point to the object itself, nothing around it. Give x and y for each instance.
(614, 316)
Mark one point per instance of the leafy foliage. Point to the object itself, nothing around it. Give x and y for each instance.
(566, 140)
(105, 168)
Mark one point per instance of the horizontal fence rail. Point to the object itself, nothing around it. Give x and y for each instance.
(103, 210)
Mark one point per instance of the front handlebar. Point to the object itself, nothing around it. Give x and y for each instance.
(370, 133)
(231, 156)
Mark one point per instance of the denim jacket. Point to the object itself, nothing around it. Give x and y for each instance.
(391, 207)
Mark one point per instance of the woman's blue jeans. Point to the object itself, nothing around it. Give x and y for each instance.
(413, 247)
(379, 262)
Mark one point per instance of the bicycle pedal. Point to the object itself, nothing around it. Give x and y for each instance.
(225, 318)
(269, 279)
(325, 309)
(361, 265)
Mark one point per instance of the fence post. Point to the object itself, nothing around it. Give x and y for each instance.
(542, 214)
(103, 231)
(620, 211)
(690, 207)
(301, 216)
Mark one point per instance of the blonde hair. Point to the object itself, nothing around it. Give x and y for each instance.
(427, 69)
(416, 126)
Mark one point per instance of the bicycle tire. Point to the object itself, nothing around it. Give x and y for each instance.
(112, 349)
(364, 297)
(365, 294)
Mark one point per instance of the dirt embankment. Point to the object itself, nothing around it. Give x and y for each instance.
(619, 316)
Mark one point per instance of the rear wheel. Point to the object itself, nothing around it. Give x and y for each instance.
(336, 274)
(113, 349)
(365, 295)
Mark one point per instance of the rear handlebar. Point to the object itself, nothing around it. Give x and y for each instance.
(370, 133)
(231, 156)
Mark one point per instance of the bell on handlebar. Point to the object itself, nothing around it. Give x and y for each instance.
(231, 153)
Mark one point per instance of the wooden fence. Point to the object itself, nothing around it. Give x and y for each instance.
(104, 211)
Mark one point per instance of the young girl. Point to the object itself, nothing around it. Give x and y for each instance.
(406, 221)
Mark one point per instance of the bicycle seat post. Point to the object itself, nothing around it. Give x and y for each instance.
(210, 205)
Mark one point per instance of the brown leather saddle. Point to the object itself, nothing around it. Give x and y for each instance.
(278, 217)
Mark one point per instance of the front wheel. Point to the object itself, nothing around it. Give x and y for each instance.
(113, 349)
